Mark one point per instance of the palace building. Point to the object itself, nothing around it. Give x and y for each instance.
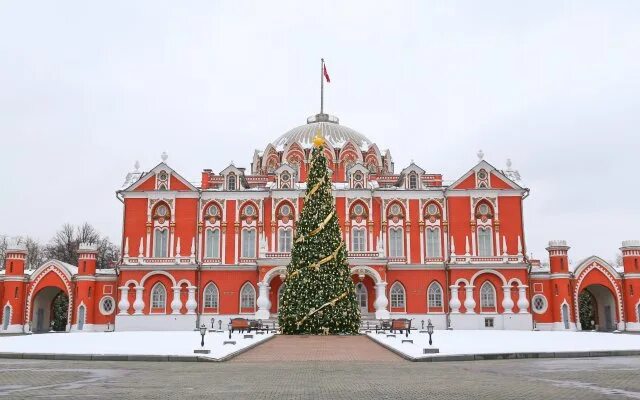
(418, 248)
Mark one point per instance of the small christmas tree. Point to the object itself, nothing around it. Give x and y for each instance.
(319, 296)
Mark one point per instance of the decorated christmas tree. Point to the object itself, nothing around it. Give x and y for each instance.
(319, 296)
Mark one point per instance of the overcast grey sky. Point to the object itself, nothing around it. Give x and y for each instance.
(87, 88)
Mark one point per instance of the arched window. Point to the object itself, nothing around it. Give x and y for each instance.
(212, 244)
(159, 297)
(231, 181)
(89, 292)
(249, 243)
(211, 298)
(413, 181)
(247, 299)
(15, 293)
(397, 297)
(285, 240)
(281, 293)
(362, 297)
(81, 313)
(433, 243)
(396, 242)
(6, 317)
(434, 295)
(487, 296)
(359, 239)
(565, 316)
(485, 244)
(160, 242)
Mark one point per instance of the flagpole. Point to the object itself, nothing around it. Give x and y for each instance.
(321, 86)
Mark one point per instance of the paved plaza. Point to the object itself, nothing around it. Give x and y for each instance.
(335, 368)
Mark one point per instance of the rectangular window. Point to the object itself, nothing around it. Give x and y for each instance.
(249, 243)
(358, 240)
(433, 243)
(488, 322)
(396, 242)
(485, 245)
(160, 245)
(213, 243)
(285, 240)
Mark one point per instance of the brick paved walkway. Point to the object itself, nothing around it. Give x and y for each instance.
(319, 348)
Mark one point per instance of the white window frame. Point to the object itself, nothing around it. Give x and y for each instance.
(248, 243)
(206, 296)
(212, 250)
(434, 250)
(232, 183)
(243, 297)
(158, 296)
(544, 302)
(485, 241)
(285, 239)
(359, 239)
(398, 296)
(161, 243)
(101, 307)
(396, 241)
(488, 297)
(413, 181)
(434, 295)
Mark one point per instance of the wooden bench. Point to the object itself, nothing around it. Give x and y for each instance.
(403, 325)
(238, 325)
(384, 325)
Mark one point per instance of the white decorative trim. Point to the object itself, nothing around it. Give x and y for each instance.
(533, 302)
(34, 285)
(101, 305)
(605, 269)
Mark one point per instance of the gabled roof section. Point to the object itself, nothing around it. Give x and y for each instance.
(413, 168)
(151, 175)
(67, 269)
(587, 262)
(492, 171)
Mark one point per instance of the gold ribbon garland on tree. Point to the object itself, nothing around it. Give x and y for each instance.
(329, 303)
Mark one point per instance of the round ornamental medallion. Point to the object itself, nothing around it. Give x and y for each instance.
(249, 210)
(213, 211)
(162, 211)
(484, 209)
(285, 219)
(484, 218)
(395, 219)
(432, 209)
(432, 219)
(357, 176)
(249, 219)
(285, 210)
(285, 177)
(395, 209)
(161, 220)
(358, 209)
(359, 219)
(162, 176)
(107, 305)
(482, 174)
(539, 304)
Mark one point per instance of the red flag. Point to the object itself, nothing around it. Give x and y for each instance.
(326, 74)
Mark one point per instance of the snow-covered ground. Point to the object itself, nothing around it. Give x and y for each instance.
(128, 343)
(490, 342)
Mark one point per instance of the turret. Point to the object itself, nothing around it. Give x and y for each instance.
(87, 253)
(558, 256)
(16, 257)
(631, 256)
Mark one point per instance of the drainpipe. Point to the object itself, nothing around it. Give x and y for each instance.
(198, 263)
(447, 279)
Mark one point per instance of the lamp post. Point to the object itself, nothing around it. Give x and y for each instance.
(430, 331)
(212, 319)
(203, 331)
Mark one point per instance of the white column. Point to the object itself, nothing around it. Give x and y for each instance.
(191, 300)
(176, 303)
(469, 302)
(408, 245)
(507, 303)
(263, 302)
(223, 239)
(123, 304)
(523, 302)
(422, 250)
(138, 304)
(454, 303)
(381, 302)
(148, 250)
(370, 238)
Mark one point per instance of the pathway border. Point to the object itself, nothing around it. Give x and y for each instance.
(128, 357)
(510, 356)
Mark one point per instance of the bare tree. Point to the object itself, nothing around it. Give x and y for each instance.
(65, 243)
(4, 241)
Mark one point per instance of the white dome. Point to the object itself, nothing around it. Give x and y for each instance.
(335, 134)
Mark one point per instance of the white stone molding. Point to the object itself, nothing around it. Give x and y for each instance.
(454, 303)
(469, 301)
(176, 303)
(507, 302)
(381, 302)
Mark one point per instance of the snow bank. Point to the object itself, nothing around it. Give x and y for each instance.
(491, 342)
(130, 343)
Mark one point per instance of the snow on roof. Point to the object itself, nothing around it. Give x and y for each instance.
(337, 135)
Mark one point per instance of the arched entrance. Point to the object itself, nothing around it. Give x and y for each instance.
(362, 298)
(50, 310)
(597, 308)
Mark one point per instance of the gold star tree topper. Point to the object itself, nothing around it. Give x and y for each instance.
(318, 140)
